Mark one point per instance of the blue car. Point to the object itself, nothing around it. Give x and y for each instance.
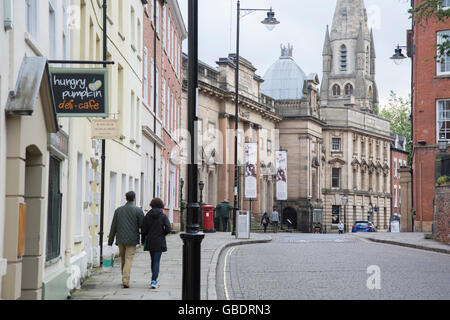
(363, 226)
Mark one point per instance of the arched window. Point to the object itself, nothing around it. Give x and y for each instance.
(343, 58)
(367, 60)
(348, 89)
(370, 92)
(336, 90)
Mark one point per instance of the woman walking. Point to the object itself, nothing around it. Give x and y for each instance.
(155, 227)
(265, 221)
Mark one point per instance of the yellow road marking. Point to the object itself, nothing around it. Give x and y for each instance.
(225, 273)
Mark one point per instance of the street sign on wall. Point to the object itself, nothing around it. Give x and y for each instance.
(80, 92)
(105, 129)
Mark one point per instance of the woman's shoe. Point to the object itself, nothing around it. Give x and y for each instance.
(154, 284)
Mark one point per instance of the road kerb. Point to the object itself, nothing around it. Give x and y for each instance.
(409, 245)
(211, 281)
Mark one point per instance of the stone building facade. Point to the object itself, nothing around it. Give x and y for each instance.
(216, 133)
(336, 143)
(399, 159)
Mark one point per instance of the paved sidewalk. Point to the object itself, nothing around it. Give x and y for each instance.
(407, 239)
(108, 285)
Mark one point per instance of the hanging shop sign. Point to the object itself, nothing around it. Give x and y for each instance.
(58, 144)
(281, 158)
(251, 159)
(80, 92)
(105, 129)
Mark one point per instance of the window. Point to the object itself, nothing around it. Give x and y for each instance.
(32, 17)
(336, 90)
(446, 4)
(157, 17)
(400, 196)
(336, 144)
(370, 92)
(269, 147)
(395, 196)
(443, 120)
(348, 89)
(343, 58)
(146, 75)
(121, 18)
(54, 211)
(367, 60)
(395, 167)
(132, 117)
(443, 64)
(336, 178)
(133, 28)
(139, 37)
(163, 101)
(52, 29)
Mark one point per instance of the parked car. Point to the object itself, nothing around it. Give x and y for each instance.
(363, 226)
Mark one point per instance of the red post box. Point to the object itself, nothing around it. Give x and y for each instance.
(208, 219)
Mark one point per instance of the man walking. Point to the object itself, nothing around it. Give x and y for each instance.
(223, 210)
(125, 228)
(275, 219)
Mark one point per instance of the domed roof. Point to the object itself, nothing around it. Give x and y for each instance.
(285, 79)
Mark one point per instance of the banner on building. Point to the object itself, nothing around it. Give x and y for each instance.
(251, 179)
(80, 92)
(281, 158)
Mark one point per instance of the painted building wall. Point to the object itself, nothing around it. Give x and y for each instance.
(28, 155)
(123, 156)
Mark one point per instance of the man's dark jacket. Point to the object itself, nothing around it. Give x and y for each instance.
(126, 224)
(155, 227)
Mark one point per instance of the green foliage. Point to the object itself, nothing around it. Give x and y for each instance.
(443, 179)
(432, 9)
(398, 111)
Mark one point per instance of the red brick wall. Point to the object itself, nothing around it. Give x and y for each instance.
(167, 70)
(427, 89)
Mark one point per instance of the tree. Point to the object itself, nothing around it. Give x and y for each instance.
(398, 111)
(433, 9)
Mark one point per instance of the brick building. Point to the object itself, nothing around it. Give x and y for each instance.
(430, 114)
(399, 159)
(162, 102)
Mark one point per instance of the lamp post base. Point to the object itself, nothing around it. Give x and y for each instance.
(191, 265)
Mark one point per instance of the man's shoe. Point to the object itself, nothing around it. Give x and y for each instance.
(126, 286)
(154, 285)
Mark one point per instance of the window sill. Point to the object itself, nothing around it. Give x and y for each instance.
(442, 76)
(121, 36)
(52, 262)
(133, 48)
(78, 239)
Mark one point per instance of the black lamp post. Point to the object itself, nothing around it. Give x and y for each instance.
(344, 202)
(192, 238)
(182, 205)
(270, 22)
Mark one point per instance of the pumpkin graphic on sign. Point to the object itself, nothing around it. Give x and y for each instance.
(95, 85)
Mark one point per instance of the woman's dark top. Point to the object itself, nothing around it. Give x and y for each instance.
(155, 227)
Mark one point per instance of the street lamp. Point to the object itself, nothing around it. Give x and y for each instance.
(398, 56)
(344, 202)
(270, 22)
(192, 238)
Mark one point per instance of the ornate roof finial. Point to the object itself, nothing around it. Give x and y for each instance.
(287, 51)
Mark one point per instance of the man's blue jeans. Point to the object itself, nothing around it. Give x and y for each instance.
(156, 258)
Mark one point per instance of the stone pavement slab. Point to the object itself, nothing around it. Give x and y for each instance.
(407, 239)
(108, 285)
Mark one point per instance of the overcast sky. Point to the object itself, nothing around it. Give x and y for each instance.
(303, 24)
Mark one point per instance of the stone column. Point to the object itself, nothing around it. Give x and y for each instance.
(225, 147)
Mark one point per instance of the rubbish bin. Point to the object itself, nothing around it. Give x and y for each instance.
(208, 219)
(243, 225)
